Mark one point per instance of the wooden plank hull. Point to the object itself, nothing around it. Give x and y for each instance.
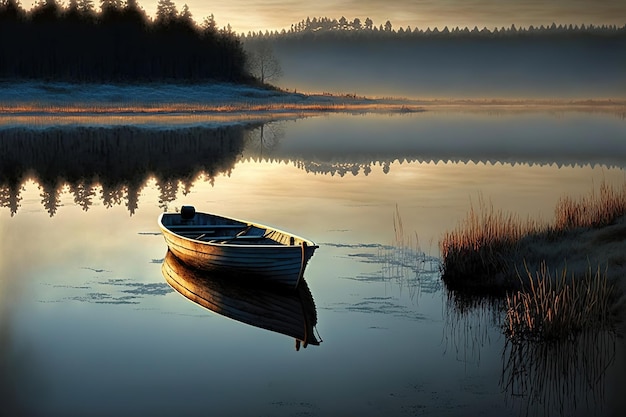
(284, 310)
(215, 243)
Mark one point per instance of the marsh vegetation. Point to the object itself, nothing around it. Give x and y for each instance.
(558, 278)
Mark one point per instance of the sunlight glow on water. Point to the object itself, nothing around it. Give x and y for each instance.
(87, 314)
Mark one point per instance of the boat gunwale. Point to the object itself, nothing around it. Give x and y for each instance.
(166, 230)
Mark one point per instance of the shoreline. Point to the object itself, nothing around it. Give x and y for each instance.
(39, 98)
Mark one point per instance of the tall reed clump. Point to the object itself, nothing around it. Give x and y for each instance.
(480, 253)
(553, 307)
(479, 248)
(594, 210)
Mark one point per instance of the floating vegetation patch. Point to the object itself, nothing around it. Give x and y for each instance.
(104, 298)
(112, 291)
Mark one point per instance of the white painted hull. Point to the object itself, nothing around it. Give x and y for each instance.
(277, 256)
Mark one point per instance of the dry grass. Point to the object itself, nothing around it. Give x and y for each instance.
(593, 210)
(482, 257)
(483, 249)
(312, 105)
(553, 306)
(477, 250)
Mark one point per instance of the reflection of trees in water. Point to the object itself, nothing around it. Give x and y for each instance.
(365, 164)
(10, 196)
(564, 378)
(264, 139)
(340, 168)
(118, 159)
(263, 144)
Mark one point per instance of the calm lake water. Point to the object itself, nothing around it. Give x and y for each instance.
(89, 326)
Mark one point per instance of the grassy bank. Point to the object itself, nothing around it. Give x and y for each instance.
(558, 277)
(489, 247)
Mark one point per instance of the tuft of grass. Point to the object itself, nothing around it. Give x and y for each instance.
(593, 210)
(482, 255)
(481, 252)
(552, 307)
(478, 249)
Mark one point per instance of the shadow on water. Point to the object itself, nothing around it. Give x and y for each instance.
(279, 309)
(20, 376)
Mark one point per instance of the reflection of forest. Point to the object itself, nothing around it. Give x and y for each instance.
(362, 157)
(364, 164)
(118, 159)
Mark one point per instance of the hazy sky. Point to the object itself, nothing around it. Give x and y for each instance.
(246, 15)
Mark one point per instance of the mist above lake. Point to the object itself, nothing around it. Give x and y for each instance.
(457, 67)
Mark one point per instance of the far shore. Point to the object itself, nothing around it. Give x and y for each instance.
(32, 98)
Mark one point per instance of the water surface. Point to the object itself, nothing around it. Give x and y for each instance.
(89, 325)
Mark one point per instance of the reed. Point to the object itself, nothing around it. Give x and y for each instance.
(596, 209)
(482, 251)
(552, 306)
(406, 265)
(484, 254)
(479, 248)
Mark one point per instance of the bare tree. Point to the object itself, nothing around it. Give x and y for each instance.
(262, 63)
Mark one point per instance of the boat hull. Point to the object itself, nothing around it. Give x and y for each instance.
(278, 256)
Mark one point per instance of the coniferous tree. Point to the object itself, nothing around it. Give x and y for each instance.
(166, 12)
(119, 43)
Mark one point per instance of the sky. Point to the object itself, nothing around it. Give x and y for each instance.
(255, 15)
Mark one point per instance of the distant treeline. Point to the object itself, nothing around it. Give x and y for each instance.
(117, 43)
(325, 27)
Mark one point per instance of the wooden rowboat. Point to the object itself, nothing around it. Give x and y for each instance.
(284, 310)
(215, 243)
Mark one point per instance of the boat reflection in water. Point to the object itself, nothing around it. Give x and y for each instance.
(289, 311)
